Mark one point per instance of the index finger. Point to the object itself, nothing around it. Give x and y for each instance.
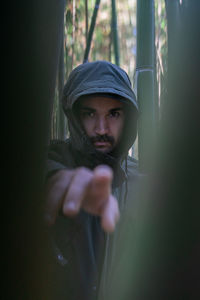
(100, 188)
(104, 171)
(102, 179)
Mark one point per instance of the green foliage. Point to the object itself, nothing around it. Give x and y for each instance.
(101, 48)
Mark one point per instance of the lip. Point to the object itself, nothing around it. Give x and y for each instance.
(101, 144)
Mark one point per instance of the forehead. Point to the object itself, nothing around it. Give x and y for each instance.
(101, 103)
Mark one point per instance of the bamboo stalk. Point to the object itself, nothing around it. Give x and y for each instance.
(145, 80)
(91, 31)
(115, 33)
(86, 20)
(61, 116)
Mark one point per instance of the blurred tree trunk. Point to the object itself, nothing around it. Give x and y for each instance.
(33, 28)
(158, 255)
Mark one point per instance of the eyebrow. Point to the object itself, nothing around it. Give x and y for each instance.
(87, 108)
(115, 109)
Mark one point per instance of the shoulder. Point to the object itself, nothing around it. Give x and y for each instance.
(56, 144)
(132, 161)
(132, 167)
(58, 148)
(60, 156)
(60, 151)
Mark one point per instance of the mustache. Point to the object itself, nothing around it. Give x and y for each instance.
(102, 138)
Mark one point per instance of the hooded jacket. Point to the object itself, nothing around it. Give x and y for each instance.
(83, 253)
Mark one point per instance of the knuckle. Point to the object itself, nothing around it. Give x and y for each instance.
(60, 174)
(83, 170)
(60, 185)
(84, 173)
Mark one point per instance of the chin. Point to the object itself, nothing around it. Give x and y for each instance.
(104, 150)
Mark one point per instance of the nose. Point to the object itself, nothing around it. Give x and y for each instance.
(101, 126)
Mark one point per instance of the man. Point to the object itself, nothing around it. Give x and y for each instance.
(88, 178)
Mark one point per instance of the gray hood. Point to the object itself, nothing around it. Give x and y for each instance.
(104, 78)
(97, 77)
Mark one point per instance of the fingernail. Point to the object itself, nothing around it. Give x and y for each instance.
(70, 207)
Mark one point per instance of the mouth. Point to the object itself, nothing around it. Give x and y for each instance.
(101, 144)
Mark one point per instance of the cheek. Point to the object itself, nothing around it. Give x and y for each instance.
(87, 125)
(116, 129)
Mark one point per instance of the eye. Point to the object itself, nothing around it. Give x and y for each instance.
(87, 114)
(114, 114)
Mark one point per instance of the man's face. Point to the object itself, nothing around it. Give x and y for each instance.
(102, 119)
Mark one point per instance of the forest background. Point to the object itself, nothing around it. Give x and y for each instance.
(77, 19)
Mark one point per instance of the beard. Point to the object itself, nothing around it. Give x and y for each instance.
(103, 139)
